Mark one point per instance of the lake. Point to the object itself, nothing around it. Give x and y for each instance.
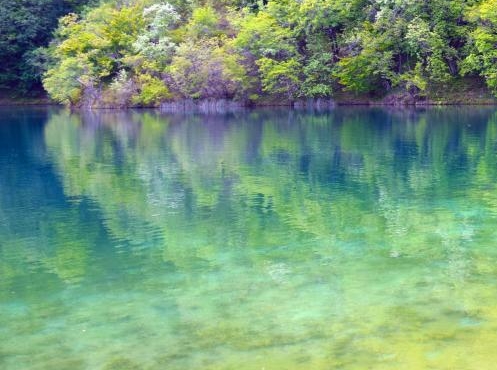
(359, 238)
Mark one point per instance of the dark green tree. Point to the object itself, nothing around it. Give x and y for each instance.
(26, 25)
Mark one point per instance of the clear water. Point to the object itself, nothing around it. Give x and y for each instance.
(353, 239)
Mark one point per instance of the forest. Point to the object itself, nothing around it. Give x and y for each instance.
(121, 53)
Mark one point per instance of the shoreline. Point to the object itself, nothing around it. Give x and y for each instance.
(228, 105)
(256, 106)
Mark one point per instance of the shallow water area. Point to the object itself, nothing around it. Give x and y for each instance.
(358, 238)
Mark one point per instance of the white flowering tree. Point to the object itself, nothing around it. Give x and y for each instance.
(155, 44)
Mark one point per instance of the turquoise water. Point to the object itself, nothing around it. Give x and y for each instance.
(354, 239)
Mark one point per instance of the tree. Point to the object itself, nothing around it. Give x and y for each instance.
(204, 69)
(90, 51)
(154, 43)
(26, 25)
(483, 56)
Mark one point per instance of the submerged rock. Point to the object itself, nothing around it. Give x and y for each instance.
(202, 106)
(315, 104)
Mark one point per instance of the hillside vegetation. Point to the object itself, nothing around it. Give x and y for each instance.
(25, 26)
(142, 52)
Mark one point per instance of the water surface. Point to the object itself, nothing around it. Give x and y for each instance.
(351, 239)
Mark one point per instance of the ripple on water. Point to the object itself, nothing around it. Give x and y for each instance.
(350, 239)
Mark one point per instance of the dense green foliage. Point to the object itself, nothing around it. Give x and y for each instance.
(483, 56)
(25, 25)
(142, 52)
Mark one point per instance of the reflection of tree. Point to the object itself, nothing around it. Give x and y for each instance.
(191, 184)
(228, 205)
(39, 232)
(232, 178)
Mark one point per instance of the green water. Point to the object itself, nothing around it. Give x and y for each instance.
(353, 239)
